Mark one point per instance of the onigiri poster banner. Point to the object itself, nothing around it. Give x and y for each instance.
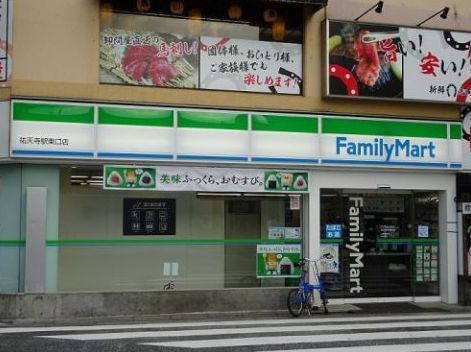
(148, 59)
(275, 260)
(129, 177)
(398, 62)
(286, 181)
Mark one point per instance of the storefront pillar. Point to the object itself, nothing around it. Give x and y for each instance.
(448, 248)
(313, 235)
(35, 236)
(45, 177)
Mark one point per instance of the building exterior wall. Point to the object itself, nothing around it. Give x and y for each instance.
(67, 68)
(55, 56)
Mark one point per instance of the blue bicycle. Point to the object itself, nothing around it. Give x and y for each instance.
(302, 298)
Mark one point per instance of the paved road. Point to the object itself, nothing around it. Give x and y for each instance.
(319, 333)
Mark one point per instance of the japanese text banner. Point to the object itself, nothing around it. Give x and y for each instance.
(250, 65)
(378, 61)
(229, 180)
(204, 179)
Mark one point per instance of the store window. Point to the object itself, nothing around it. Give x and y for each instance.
(243, 45)
(112, 240)
(387, 242)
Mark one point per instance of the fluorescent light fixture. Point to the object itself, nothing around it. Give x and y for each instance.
(217, 194)
(383, 186)
(277, 195)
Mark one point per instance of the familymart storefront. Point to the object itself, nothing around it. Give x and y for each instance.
(153, 199)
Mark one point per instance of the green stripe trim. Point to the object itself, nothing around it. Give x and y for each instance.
(143, 242)
(455, 131)
(332, 240)
(213, 120)
(12, 243)
(384, 128)
(284, 124)
(135, 117)
(53, 113)
(416, 241)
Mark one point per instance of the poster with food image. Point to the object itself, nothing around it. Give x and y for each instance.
(128, 177)
(364, 60)
(380, 61)
(329, 262)
(286, 181)
(278, 260)
(148, 59)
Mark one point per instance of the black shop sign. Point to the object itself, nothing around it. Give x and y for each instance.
(148, 216)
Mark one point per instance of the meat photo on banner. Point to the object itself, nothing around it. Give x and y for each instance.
(364, 60)
(148, 59)
(397, 62)
(250, 65)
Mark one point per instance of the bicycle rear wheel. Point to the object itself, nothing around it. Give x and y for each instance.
(324, 302)
(295, 302)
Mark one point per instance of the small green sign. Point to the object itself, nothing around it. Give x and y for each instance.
(278, 260)
(282, 181)
(129, 177)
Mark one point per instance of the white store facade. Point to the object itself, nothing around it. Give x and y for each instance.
(231, 200)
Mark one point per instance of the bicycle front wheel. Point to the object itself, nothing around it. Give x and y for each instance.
(295, 302)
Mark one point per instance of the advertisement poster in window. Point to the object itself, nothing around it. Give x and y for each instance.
(278, 260)
(148, 59)
(129, 177)
(398, 62)
(6, 16)
(250, 65)
(167, 178)
(426, 263)
(329, 262)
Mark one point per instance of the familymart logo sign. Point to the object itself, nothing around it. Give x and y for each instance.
(383, 149)
(349, 141)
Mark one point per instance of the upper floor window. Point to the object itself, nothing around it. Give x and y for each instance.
(242, 45)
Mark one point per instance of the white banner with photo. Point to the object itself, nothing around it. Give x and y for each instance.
(250, 65)
(392, 62)
(439, 69)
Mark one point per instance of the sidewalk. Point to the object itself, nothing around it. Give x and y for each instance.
(370, 309)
